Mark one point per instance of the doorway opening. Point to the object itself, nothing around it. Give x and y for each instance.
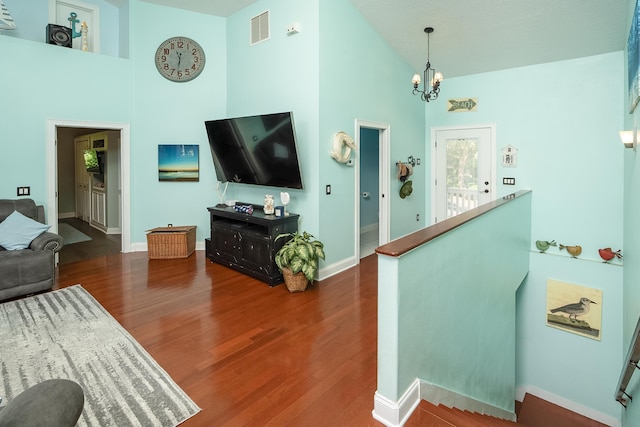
(372, 187)
(95, 205)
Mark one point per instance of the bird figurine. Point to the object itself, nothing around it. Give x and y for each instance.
(543, 245)
(576, 309)
(574, 251)
(607, 254)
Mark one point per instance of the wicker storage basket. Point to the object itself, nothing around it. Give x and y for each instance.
(171, 242)
(295, 282)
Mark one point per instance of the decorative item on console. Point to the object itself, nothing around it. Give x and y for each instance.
(268, 204)
(246, 209)
(285, 198)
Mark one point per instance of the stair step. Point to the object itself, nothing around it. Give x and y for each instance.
(430, 415)
(536, 412)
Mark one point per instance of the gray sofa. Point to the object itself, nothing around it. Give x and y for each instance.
(30, 270)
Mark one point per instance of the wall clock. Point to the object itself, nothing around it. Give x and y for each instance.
(180, 59)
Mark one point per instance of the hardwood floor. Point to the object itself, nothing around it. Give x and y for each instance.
(247, 354)
(100, 243)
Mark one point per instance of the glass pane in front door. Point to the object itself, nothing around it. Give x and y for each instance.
(462, 175)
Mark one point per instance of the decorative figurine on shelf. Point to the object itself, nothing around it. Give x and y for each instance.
(607, 254)
(73, 20)
(574, 251)
(269, 204)
(84, 29)
(543, 245)
(285, 199)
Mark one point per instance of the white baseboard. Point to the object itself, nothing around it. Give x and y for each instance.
(368, 228)
(396, 414)
(567, 404)
(439, 395)
(336, 268)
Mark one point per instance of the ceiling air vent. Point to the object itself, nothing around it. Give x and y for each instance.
(260, 28)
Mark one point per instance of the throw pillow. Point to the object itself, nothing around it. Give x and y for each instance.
(18, 231)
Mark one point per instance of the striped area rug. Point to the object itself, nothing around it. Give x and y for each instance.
(68, 334)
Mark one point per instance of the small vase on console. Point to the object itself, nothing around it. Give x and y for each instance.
(269, 204)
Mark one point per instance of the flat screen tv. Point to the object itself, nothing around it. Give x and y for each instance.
(259, 150)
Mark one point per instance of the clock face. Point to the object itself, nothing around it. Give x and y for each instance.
(180, 59)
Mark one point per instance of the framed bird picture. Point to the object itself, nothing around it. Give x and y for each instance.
(574, 308)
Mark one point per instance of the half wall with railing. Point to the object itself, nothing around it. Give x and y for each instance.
(446, 312)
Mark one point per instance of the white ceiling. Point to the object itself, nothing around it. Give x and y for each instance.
(475, 36)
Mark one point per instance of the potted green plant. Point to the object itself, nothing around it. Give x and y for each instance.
(298, 259)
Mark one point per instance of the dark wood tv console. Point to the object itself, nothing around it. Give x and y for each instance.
(246, 243)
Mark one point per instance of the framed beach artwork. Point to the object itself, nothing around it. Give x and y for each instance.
(633, 60)
(178, 163)
(574, 308)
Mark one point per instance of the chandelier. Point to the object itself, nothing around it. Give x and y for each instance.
(431, 77)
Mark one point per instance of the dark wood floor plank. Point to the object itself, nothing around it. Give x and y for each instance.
(246, 353)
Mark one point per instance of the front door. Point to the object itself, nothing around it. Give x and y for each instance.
(463, 174)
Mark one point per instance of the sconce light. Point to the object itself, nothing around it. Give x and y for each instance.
(629, 138)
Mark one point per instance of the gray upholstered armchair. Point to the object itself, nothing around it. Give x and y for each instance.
(32, 269)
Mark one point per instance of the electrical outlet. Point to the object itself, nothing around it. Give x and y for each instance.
(293, 29)
(328, 189)
(417, 217)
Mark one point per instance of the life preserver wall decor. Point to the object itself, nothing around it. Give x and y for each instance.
(342, 146)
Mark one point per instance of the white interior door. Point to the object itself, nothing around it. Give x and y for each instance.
(83, 180)
(463, 172)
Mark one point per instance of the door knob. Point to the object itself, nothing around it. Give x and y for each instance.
(486, 191)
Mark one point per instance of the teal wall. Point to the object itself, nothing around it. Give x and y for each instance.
(166, 112)
(570, 155)
(450, 323)
(280, 74)
(361, 77)
(631, 231)
(49, 85)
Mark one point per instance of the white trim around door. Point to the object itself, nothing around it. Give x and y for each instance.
(125, 177)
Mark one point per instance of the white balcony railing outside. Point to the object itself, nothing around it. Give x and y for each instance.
(460, 200)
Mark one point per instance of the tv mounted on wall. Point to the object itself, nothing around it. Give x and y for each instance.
(258, 150)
